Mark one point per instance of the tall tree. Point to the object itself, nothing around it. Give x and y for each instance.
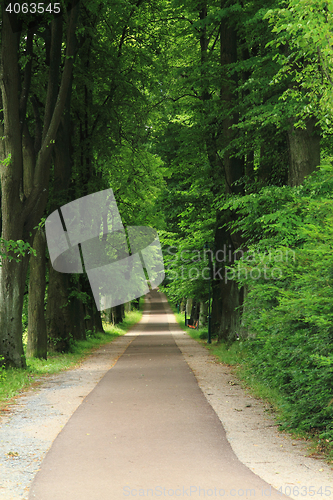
(37, 337)
(26, 169)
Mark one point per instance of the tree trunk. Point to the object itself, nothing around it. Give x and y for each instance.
(203, 317)
(12, 284)
(231, 318)
(98, 325)
(217, 307)
(37, 335)
(77, 315)
(234, 169)
(189, 303)
(304, 151)
(195, 310)
(118, 314)
(23, 205)
(58, 314)
(76, 309)
(274, 158)
(93, 320)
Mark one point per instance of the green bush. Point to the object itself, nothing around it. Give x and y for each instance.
(288, 311)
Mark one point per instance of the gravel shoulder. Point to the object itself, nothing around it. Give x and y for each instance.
(34, 421)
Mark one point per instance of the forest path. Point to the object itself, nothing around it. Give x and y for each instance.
(146, 430)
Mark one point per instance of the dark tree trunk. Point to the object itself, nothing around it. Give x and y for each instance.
(203, 314)
(12, 285)
(217, 305)
(77, 314)
(93, 320)
(70, 318)
(194, 314)
(76, 309)
(195, 311)
(37, 335)
(98, 325)
(118, 314)
(58, 314)
(231, 317)
(304, 151)
(234, 170)
(274, 161)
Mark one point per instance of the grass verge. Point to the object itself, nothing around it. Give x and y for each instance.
(234, 355)
(15, 380)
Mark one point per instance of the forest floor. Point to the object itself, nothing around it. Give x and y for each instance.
(29, 427)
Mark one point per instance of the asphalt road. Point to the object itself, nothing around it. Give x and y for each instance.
(146, 431)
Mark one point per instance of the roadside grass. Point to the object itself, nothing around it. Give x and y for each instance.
(231, 355)
(234, 355)
(14, 380)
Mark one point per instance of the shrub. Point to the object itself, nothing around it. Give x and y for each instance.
(288, 313)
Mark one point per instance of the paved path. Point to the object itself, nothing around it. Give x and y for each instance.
(146, 431)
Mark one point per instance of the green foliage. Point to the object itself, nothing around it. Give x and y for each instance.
(13, 250)
(288, 273)
(303, 36)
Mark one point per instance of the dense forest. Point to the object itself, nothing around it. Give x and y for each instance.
(211, 121)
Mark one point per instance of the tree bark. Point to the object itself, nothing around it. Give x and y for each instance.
(234, 170)
(58, 315)
(195, 311)
(118, 314)
(98, 325)
(203, 314)
(12, 274)
(76, 310)
(12, 285)
(217, 307)
(189, 303)
(304, 152)
(231, 318)
(37, 335)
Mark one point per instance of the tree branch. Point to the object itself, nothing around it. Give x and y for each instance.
(123, 35)
(38, 124)
(55, 61)
(42, 169)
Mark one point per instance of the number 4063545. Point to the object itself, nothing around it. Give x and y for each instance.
(33, 8)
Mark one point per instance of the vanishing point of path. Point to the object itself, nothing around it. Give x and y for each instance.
(147, 431)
